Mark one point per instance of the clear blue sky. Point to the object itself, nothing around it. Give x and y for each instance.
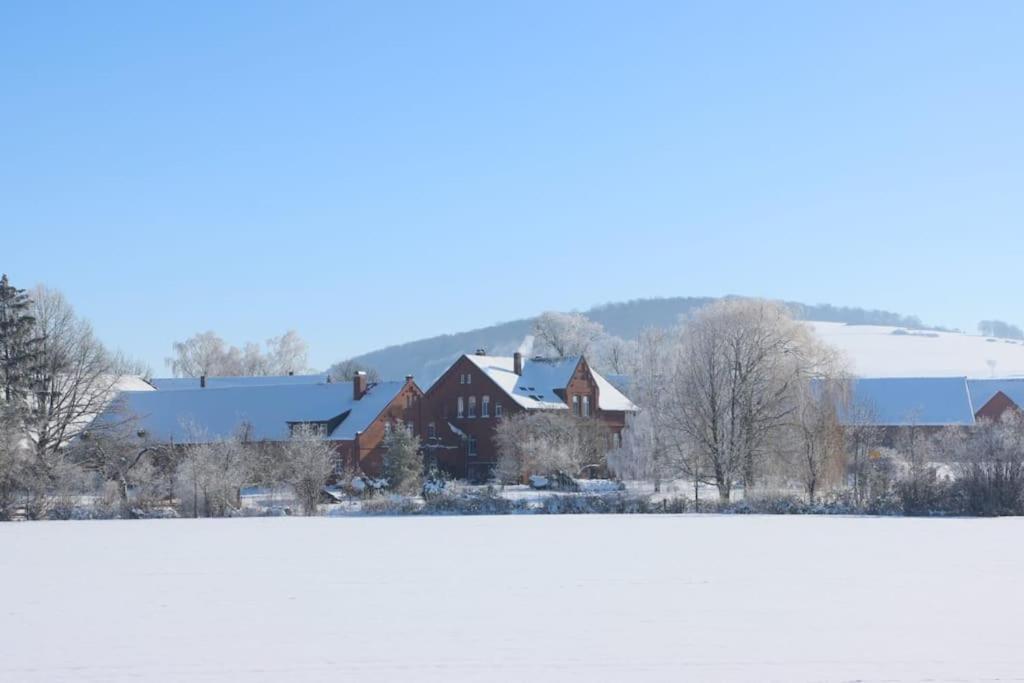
(371, 173)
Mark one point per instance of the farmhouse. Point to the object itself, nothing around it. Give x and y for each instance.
(352, 415)
(461, 409)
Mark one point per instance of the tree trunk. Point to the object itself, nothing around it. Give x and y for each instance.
(724, 489)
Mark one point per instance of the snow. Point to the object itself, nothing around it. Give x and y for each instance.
(218, 413)
(879, 351)
(540, 598)
(179, 383)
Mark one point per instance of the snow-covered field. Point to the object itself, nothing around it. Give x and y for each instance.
(877, 351)
(587, 598)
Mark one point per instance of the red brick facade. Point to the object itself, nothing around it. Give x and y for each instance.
(463, 444)
(365, 453)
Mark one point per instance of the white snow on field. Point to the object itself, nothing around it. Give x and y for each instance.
(877, 351)
(574, 598)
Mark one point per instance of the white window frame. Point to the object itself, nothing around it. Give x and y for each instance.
(471, 409)
(485, 406)
(460, 411)
(576, 404)
(586, 406)
(497, 409)
(471, 446)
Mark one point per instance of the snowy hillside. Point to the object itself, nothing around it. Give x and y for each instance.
(426, 359)
(880, 351)
(536, 598)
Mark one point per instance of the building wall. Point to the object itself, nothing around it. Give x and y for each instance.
(366, 452)
(450, 450)
(996, 407)
(440, 407)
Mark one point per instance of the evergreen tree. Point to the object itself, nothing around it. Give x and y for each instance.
(19, 345)
(403, 464)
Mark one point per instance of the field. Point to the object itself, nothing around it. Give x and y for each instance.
(540, 598)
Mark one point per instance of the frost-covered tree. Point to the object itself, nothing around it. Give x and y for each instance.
(549, 442)
(403, 464)
(738, 364)
(343, 371)
(565, 334)
(211, 475)
(117, 454)
(75, 377)
(816, 438)
(208, 354)
(308, 462)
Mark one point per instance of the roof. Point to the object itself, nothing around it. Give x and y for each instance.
(542, 379)
(179, 383)
(922, 401)
(982, 390)
(197, 415)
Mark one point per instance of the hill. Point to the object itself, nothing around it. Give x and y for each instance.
(427, 358)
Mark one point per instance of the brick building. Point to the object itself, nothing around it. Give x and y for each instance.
(461, 409)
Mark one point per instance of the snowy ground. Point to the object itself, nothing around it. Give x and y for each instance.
(514, 598)
(875, 351)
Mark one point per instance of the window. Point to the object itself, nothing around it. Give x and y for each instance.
(575, 404)
(497, 409)
(485, 406)
(469, 378)
(431, 430)
(618, 439)
(472, 406)
(462, 378)
(586, 406)
(471, 445)
(460, 410)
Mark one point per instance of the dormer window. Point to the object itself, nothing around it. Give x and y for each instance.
(575, 404)
(586, 406)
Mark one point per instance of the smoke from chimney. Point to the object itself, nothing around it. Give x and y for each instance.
(526, 346)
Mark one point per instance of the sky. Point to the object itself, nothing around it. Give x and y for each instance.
(373, 173)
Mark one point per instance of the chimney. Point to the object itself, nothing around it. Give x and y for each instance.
(202, 381)
(291, 373)
(408, 379)
(358, 385)
(517, 363)
(481, 352)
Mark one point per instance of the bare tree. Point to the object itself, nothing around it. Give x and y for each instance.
(118, 454)
(308, 462)
(565, 334)
(817, 443)
(549, 442)
(343, 371)
(739, 362)
(76, 376)
(208, 354)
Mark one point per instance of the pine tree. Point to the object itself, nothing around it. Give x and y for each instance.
(19, 345)
(403, 464)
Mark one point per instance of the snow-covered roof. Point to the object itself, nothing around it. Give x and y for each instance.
(190, 415)
(922, 401)
(179, 383)
(542, 381)
(982, 390)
